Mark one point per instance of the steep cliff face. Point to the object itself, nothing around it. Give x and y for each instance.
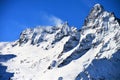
(64, 53)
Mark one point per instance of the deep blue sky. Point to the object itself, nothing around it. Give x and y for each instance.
(17, 15)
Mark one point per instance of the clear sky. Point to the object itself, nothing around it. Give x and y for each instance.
(17, 15)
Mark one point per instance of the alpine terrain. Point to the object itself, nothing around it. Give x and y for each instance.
(63, 52)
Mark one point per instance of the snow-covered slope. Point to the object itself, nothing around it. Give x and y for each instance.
(62, 52)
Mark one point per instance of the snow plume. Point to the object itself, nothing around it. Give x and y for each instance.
(51, 19)
(55, 20)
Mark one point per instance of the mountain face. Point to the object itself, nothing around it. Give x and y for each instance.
(63, 52)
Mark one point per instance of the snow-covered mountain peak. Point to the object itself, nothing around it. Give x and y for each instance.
(45, 33)
(62, 52)
(98, 17)
(98, 7)
(95, 12)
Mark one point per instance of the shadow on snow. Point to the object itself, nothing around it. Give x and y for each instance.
(3, 74)
(102, 69)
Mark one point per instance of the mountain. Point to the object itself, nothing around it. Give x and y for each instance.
(63, 52)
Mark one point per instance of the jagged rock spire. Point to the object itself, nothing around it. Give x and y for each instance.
(98, 7)
(94, 13)
(96, 10)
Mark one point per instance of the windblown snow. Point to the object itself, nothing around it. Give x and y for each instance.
(63, 52)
